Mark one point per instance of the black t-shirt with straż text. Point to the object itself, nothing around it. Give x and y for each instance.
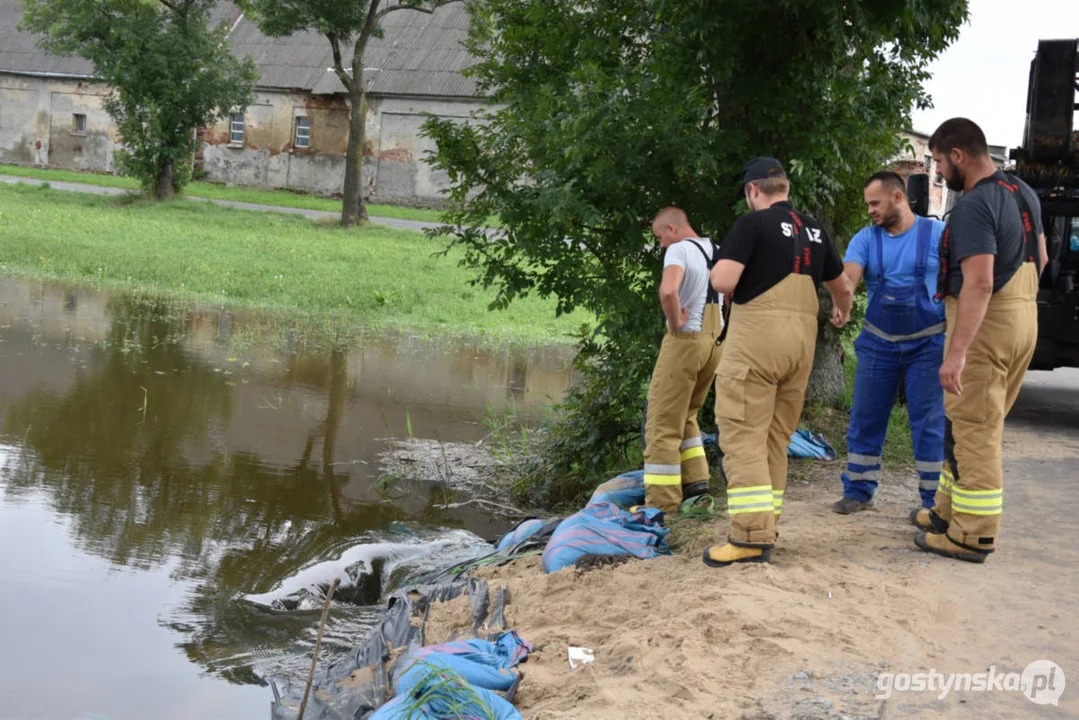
(774, 243)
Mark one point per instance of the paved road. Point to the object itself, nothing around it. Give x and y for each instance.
(415, 225)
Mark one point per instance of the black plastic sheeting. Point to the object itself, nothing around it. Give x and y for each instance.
(337, 695)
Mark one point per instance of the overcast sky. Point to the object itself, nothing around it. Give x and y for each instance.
(983, 75)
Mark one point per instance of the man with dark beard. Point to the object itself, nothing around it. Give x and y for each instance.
(991, 256)
(902, 339)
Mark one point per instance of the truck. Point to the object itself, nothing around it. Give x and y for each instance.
(1048, 161)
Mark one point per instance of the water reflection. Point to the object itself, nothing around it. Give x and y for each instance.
(173, 445)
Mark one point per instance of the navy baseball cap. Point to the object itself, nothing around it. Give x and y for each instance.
(762, 168)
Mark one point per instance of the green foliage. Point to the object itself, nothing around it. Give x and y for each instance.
(169, 73)
(607, 111)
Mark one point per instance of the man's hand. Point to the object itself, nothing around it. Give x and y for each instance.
(951, 372)
(839, 318)
(683, 317)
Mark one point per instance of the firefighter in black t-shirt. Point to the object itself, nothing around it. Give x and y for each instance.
(773, 261)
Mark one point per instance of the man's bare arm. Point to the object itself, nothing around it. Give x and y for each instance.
(668, 296)
(854, 273)
(725, 276)
(973, 301)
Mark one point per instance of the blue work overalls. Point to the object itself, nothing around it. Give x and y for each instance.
(903, 336)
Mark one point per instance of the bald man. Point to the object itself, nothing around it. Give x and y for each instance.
(675, 467)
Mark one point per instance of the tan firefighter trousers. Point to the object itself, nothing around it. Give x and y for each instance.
(760, 390)
(673, 450)
(971, 492)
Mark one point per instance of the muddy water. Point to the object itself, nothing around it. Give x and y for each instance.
(157, 467)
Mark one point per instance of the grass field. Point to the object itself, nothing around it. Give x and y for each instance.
(372, 277)
(215, 191)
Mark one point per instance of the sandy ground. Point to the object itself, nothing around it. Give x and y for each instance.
(845, 600)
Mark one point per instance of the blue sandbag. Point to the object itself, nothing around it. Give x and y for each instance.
(446, 696)
(805, 444)
(479, 662)
(625, 490)
(605, 529)
(519, 534)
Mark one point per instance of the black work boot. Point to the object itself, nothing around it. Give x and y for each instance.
(847, 506)
(927, 520)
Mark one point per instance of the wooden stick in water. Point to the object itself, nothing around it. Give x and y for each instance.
(318, 645)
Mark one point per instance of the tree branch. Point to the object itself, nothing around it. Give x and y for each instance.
(338, 67)
(369, 28)
(418, 8)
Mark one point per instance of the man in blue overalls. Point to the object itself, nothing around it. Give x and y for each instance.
(903, 337)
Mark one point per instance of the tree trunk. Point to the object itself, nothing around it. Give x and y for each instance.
(163, 187)
(353, 209)
(828, 381)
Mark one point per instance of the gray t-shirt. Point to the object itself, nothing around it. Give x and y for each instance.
(987, 220)
(694, 288)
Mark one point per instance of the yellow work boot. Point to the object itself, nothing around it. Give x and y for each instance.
(722, 556)
(927, 520)
(940, 544)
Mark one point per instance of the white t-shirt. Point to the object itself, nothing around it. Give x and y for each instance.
(694, 288)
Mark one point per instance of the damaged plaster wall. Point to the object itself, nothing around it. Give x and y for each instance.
(394, 170)
(38, 123)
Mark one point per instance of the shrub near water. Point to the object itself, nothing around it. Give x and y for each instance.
(373, 276)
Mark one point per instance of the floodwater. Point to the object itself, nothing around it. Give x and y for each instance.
(165, 482)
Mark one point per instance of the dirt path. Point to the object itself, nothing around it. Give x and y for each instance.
(414, 225)
(845, 599)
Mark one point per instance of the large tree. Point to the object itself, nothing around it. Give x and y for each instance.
(168, 68)
(348, 26)
(607, 110)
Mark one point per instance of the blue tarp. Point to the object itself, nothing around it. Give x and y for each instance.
(603, 528)
(805, 444)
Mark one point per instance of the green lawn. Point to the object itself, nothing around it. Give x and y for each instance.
(368, 277)
(282, 198)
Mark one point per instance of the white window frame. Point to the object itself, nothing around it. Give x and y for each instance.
(302, 133)
(237, 127)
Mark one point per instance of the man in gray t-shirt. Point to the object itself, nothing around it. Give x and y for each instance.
(987, 221)
(992, 252)
(675, 467)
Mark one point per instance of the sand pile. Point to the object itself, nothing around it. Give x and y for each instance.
(845, 599)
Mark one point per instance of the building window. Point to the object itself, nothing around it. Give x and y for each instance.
(236, 129)
(928, 160)
(303, 132)
(79, 124)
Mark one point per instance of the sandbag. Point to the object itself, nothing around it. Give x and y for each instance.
(605, 529)
(625, 490)
(440, 695)
(478, 662)
(524, 530)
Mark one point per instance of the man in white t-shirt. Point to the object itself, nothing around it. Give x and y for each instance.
(675, 467)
